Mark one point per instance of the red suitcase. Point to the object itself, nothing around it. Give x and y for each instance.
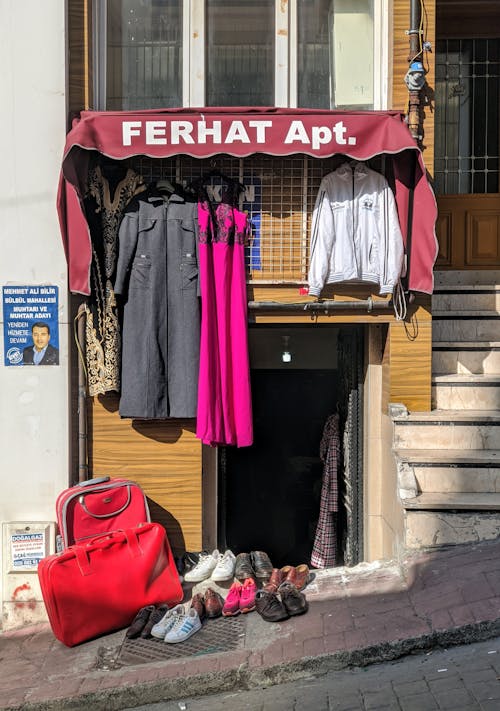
(96, 587)
(99, 506)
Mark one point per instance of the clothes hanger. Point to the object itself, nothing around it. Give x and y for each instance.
(164, 185)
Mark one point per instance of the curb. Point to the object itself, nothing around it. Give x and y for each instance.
(114, 699)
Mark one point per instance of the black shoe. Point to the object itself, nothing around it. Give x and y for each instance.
(270, 607)
(243, 567)
(154, 617)
(262, 565)
(294, 601)
(139, 622)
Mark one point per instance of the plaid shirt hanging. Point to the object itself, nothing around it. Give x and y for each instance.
(324, 552)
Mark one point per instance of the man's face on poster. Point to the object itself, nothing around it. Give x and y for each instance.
(41, 337)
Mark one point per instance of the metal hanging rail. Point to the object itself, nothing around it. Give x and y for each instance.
(325, 307)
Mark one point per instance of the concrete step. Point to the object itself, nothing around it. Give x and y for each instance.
(481, 357)
(465, 392)
(468, 501)
(466, 277)
(477, 297)
(452, 471)
(465, 326)
(448, 429)
(426, 529)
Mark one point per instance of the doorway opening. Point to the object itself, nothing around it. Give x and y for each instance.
(269, 493)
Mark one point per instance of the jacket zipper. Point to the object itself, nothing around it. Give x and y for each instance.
(354, 223)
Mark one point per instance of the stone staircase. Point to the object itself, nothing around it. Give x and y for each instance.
(449, 459)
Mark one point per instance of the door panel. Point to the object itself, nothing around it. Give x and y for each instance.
(468, 231)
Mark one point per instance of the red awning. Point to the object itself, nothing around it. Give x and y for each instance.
(242, 132)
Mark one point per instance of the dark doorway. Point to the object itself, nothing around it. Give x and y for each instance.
(270, 492)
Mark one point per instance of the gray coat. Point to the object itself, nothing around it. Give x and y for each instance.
(157, 275)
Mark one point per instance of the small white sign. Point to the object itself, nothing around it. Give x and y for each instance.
(27, 549)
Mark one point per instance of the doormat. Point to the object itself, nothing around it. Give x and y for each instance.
(220, 635)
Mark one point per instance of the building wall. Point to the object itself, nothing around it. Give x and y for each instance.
(33, 401)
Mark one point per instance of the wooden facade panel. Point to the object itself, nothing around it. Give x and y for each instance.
(164, 457)
(411, 361)
(444, 232)
(79, 55)
(483, 239)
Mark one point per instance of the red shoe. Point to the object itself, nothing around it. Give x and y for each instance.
(248, 593)
(232, 602)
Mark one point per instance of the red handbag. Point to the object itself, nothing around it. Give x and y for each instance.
(96, 587)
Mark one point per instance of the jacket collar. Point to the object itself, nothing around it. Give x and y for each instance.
(347, 169)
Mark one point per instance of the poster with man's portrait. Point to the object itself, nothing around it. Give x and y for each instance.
(30, 325)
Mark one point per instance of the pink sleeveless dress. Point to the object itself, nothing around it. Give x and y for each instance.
(224, 396)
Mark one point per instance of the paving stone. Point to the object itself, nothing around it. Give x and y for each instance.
(451, 698)
(409, 688)
(376, 699)
(419, 702)
(450, 681)
(485, 691)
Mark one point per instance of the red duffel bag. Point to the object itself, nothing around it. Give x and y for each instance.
(96, 587)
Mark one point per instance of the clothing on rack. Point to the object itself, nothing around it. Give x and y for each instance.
(224, 396)
(105, 200)
(355, 232)
(324, 552)
(157, 276)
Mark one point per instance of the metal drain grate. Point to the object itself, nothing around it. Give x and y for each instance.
(220, 635)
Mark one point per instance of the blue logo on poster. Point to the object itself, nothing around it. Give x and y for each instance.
(31, 326)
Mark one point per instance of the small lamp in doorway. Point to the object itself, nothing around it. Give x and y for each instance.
(286, 355)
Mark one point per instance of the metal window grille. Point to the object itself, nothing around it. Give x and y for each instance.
(279, 198)
(467, 116)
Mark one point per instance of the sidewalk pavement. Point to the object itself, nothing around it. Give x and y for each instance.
(358, 616)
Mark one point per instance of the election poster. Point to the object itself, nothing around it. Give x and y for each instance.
(30, 325)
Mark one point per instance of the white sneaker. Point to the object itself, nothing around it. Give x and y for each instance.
(167, 621)
(203, 568)
(183, 627)
(224, 570)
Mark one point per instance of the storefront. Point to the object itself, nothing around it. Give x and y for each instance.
(347, 353)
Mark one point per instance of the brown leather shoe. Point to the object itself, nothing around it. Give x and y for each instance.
(294, 601)
(199, 605)
(270, 607)
(301, 576)
(289, 574)
(274, 581)
(213, 603)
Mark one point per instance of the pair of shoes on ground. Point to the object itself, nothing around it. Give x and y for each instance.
(208, 605)
(144, 621)
(240, 598)
(255, 565)
(215, 565)
(275, 606)
(177, 625)
(298, 575)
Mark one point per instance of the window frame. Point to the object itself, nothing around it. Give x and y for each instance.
(285, 67)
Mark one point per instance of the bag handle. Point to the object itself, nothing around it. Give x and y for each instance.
(82, 559)
(127, 534)
(81, 501)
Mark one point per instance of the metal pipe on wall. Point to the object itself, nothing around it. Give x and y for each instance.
(415, 77)
(83, 465)
(325, 307)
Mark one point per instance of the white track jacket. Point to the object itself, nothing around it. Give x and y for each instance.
(355, 231)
